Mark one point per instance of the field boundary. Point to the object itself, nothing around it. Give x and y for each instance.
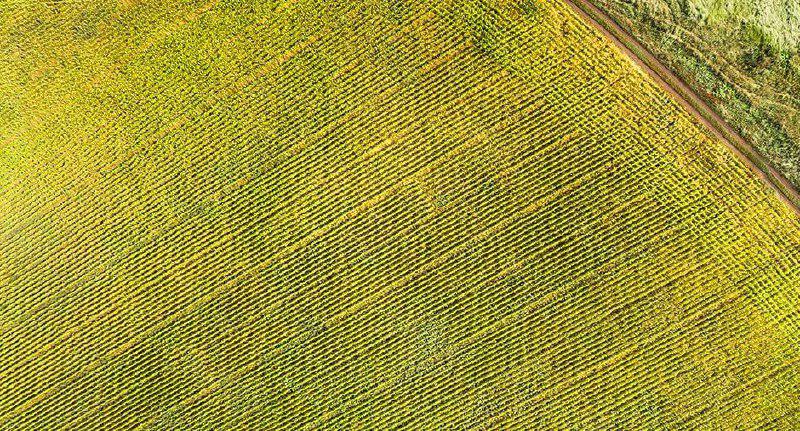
(689, 99)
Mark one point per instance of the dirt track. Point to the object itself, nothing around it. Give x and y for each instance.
(689, 99)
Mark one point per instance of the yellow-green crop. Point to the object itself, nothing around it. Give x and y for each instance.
(373, 214)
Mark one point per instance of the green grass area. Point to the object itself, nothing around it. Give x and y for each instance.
(741, 56)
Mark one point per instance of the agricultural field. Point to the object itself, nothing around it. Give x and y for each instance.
(473, 214)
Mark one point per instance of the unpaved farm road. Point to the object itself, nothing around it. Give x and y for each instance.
(689, 99)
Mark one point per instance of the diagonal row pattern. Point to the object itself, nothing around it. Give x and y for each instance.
(373, 214)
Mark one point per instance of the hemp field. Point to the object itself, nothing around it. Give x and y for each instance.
(419, 215)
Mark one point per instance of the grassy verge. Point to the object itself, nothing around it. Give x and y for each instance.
(746, 69)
